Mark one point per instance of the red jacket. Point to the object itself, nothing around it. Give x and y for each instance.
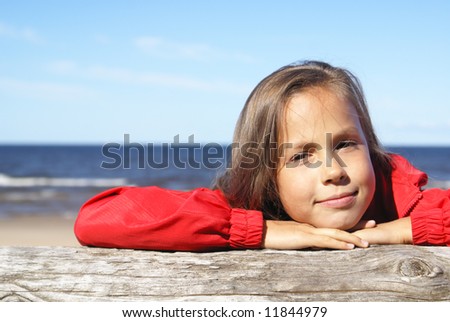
(201, 219)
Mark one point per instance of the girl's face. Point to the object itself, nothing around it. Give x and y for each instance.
(325, 176)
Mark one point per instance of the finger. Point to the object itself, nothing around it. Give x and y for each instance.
(309, 237)
(322, 241)
(374, 236)
(363, 224)
(342, 236)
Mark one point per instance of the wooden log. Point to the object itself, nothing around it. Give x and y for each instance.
(383, 273)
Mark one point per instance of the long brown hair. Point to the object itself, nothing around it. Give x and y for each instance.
(250, 181)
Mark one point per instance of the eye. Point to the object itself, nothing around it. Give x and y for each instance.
(299, 157)
(345, 144)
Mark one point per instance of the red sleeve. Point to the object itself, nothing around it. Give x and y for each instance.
(431, 218)
(161, 219)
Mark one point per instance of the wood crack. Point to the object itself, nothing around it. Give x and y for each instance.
(382, 273)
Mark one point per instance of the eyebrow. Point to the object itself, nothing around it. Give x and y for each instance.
(351, 131)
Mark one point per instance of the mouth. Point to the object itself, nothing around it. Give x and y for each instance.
(342, 200)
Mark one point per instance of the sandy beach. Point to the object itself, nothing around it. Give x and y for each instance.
(37, 231)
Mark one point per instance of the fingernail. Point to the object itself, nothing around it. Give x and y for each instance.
(350, 246)
(365, 243)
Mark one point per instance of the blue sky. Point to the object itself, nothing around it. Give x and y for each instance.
(91, 71)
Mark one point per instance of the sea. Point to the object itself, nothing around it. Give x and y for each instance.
(55, 180)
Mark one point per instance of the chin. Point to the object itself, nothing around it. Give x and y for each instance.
(342, 223)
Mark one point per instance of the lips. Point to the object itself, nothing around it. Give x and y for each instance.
(339, 201)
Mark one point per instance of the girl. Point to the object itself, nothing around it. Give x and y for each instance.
(309, 172)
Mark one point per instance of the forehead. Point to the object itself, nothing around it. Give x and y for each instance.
(318, 111)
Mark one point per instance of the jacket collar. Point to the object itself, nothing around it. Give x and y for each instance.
(396, 193)
(406, 184)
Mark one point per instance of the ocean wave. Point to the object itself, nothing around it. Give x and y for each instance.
(21, 182)
(31, 196)
(442, 184)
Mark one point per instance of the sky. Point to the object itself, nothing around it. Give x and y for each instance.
(89, 72)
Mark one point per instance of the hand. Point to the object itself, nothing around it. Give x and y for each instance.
(394, 232)
(294, 235)
(363, 224)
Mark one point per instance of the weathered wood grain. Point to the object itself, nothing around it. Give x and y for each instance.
(383, 273)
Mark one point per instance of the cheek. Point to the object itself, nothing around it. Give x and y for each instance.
(371, 182)
(361, 171)
(366, 172)
(295, 189)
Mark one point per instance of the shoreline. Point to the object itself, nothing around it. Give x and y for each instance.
(27, 230)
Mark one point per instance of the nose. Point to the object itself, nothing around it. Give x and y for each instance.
(333, 173)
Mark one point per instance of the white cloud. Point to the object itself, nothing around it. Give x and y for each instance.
(45, 90)
(171, 80)
(63, 66)
(124, 75)
(102, 39)
(27, 34)
(415, 132)
(164, 48)
(148, 43)
(420, 125)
